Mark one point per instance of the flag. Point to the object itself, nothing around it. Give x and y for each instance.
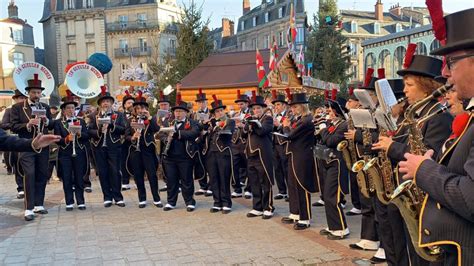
(263, 82)
(301, 66)
(273, 56)
(291, 35)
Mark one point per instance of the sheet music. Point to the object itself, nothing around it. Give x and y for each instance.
(162, 113)
(385, 120)
(362, 118)
(167, 129)
(385, 95)
(364, 98)
(202, 116)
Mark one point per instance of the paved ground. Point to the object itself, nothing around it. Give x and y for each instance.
(122, 236)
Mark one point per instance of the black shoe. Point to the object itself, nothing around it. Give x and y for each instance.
(298, 226)
(88, 190)
(20, 195)
(376, 260)
(227, 211)
(41, 212)
(199, 192)
(208, 193)
(324, 232)
(266, 217)
(163, 189)
(141, 206)
(82, 208)
(30, 217)
(349, 213)
(68, 209)
(287, 199)
(190, 209)
(280, 196)
(215, 209)
(120, 204)
(166, 208)
(317, 204)
(9, 172)
(158, 205)
(334, 237)
(251, 215)
(108, 204)
(288, 220)
(355, 246)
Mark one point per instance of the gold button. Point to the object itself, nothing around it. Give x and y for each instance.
(427, 232)
(438, 206)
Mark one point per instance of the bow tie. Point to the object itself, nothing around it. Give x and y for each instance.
(33, 105)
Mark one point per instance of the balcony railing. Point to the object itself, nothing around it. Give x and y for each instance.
(135, 51)
(132, 25)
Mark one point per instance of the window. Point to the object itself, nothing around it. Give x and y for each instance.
(355, 72)
(123, 44)
(88, 3)
(254, 21)
(70, 25)
(300, 35)
(141, 19)
(18, 36)
(376, 28)
(173, 45)
(281, 38)
(421, 49)
(266, 42)
(243, 46)
(267, 17)
(142, 44)
(123, 20)
(69, 4)
(242, 25)
(385, 62)
(72, 52)
(354, 27)
(280, 12)
(90, 46)
(352, 49)
(398, 27)
(89, 26)
(172, 19)
(434, 45)
(370, 61)
(18, 58)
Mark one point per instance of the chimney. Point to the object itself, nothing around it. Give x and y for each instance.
(396, 10)
(379, 10)
(12, 10)
(245, 6)
(227, 27)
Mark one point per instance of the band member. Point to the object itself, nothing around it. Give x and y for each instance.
(12, 157)
(335, 173)
(301, 165)
(238, 148)
(200, 172)
(127, 104)
(259, 151)
(72, 154)
(163, 115)
(105, 130)
(280, 159)
(140, 133)
(82, 111)
(28, 125)
(219, 156)
(178, 156)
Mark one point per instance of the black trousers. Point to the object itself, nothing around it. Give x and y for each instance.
(392, 233)
(280, 164)
(143, 162)
(15, 163)
(262, 195)
(73, 170)
(355, 195)
(8, 161)
(333, 172)
(35, 167)
(239, 161)
(219, 165)
(321, 172)
(200, 171)
(300, 199)
(124, 164)
(91, 164)
(368, 225)
(179, 173)
(107, 160)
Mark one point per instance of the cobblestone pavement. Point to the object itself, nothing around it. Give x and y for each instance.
(123, 236)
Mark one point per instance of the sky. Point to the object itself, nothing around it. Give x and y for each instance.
(215, 10)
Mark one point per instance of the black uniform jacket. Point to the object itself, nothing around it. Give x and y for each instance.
(21, 115)
(114, 132)
(147, 138)
(184, 139)
(259, 143)
(219, 138)
(300, 150)
(447, 215)
(61, 129)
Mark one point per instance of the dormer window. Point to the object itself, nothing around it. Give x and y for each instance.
(69, 4)
(398, 27)
(354, 27)
(267, 17)
(254, 21)
(376, 28)
(242, 25)
(280, 12)
(88, 3)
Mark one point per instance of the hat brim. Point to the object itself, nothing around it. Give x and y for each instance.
(200, 100)
(243, 101)
(214, 109)
(453, 47)
(105, 98)
(259, 104)
(165, 101)
(67, 103)
(293, 103)
(127, 98)
(140, 103)
(279, 101)
(18, 95)
(179, 107)
(441, 79)
(34, 88)
(408, 71)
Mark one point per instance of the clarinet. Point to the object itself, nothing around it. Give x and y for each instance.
(104, 129)
(139, 130)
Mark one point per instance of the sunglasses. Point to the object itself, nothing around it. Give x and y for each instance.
(451, 61)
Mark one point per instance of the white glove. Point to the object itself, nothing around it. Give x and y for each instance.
(322, 126)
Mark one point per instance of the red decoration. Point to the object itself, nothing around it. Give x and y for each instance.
(69, 66)
(238, 94)
(254, 96)
(381, 73)
(215, 98)
(288, 94)
(187, 125)
(334, 94)
(351, 91)
(146, 122)
(326, 95)
(127, 93)
(331, 129)
(368, 76)
(178, 99)
(247, 116)
(139, 97)
(459, 124)
(114, 116)
(435, 7)
(103, 90)
(409, 55)
(222, 124)
(162, 96)
(293, 125)
(76, 123)
(36, 80)
(274, 94)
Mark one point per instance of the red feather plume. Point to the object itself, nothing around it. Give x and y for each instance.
(178, 99)
(238, 94)
(351, 91)
(162, 96)
(127, 93)
(254, 96)
(132, 88)
(334, 94)
(368, 76)
(36, 79)
(409, 55)
(103, 90)
(68, 93)
(274, 94)
(435, 7)
(214, 97)
(381, 73)
(200, 92)
(326, 95)
(139, 97)
(288, 94)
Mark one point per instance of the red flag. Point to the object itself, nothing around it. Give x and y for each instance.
(273, 56)
(263, 82)
(292, 32)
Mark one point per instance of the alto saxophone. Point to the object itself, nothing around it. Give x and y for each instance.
(407, 196)
(366, 184)
(348, 150)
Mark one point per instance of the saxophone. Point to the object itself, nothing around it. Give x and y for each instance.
(365, 180)
(348, 150)
(407, 196)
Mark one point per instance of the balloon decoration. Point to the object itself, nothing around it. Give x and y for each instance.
(69, 66)
(62, 90)
(100, 61)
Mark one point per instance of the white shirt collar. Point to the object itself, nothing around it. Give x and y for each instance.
(471, 104)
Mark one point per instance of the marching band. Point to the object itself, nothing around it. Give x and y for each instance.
(405, 158)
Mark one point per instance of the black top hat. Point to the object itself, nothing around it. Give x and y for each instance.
(17, 94)
(459, 35)
(164, 98)
(140, 100)
(69, 99)
(257, 100)
(127, 97)
(216, 104)
(397, 86)
(278, 98)
(241, 97)
(200, 96)
(34, 83)
(104, 94)
(298, 98)
(441, 79)
(422, 65)
(180, 104)
(338, 105)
